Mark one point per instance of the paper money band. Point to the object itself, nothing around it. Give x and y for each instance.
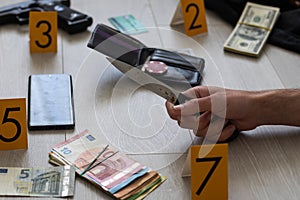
(252, 25)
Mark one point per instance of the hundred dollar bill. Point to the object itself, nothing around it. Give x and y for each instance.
(41, 182)
(252, 30)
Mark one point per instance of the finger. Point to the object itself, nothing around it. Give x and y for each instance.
(194, 106)
(221, 135)
(227, 132)
(174, 114)
(201, 91)
(197, 92)
(200, 132)
(213, 130)
(196, 122)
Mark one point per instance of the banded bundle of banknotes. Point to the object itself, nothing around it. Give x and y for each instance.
(37, 182)
(115, 173)
(252, 30)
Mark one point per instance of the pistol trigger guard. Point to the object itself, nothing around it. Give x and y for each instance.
(22, 20)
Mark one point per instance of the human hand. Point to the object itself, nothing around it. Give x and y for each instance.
(222, 111)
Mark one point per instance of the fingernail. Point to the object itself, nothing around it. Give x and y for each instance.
(178, 107)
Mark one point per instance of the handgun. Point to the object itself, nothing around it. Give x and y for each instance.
(69, 20)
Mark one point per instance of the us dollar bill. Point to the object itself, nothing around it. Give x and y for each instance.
(38, 182)
(251, 32)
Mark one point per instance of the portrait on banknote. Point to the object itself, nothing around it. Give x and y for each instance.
(247, 38)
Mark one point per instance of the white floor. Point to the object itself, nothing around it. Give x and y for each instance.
(263, 163)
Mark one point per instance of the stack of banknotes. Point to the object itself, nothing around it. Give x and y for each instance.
(37, 182)
(115, 173)
(252, 30)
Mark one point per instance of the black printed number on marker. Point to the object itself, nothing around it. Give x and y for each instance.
(46, 34)
(216, 161)
(7, 119)
(193, 25)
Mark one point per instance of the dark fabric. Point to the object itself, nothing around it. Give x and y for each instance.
(286, 32)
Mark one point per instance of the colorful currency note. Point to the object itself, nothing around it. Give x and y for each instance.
(42, 182)
(112, 171)
(127, 24)
(251, 32)
(83, 148)
(137, 185)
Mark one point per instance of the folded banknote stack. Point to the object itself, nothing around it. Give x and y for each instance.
(115, 173)
(252, 30)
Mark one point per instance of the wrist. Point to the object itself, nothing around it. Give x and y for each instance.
(265, 106)
(278, 107)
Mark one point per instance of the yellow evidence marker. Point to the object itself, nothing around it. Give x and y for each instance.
(209, 172)
(13, 130)
(43, 31)
(192, 14)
